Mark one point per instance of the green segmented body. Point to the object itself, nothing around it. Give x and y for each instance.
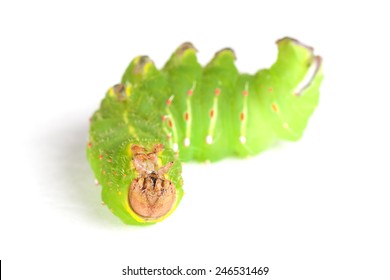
(198, 113)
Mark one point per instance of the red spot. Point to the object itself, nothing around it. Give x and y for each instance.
(245, 93)
(186, 116)
(169, 102)
(89, 145)
(270, 89)
(170, 123)
(242, 116)
(211, 113)
(100, 156)
(163, 118)
(190, 92)
(110, 160)
(217, 91)
(275, 107)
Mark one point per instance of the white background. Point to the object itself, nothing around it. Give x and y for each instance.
(316, 209)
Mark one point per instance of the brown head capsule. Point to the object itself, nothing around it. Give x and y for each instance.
(151, 195)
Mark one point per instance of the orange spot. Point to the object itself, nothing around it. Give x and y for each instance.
(242, 116)
(186, 116)
(270, 89)
(100, 156)
(189, 92)
(163, 118)
(114, 172)
(217, 91)
(108, 183)
(124, 175)
(275, 107)
(110, 160)
(245, 93)
(211, 113)
(104, 172)
(169, 102)
(89, 145)
(170, 123)
(169, 136)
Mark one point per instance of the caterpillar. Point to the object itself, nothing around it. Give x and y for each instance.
(155, 119)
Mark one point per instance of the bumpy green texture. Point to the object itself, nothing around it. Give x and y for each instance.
(198, 113)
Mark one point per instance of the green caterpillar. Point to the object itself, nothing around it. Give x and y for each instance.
(154, 119)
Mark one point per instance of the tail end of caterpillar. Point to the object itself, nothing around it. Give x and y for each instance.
(291, 88)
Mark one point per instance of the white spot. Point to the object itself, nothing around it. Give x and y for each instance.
(186, 142)
(242, 139)
(175, 147)
(209, 139)
(96, 182)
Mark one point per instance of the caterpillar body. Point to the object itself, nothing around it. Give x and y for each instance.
(154, 119)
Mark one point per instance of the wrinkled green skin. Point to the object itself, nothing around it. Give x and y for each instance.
(136, 117)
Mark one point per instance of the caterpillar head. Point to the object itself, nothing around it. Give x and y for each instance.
(151, 195)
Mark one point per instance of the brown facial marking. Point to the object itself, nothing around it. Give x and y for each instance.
(158, 148)
(136, 149)
(151, 195)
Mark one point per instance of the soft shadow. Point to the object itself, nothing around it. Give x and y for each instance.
(70, 185)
